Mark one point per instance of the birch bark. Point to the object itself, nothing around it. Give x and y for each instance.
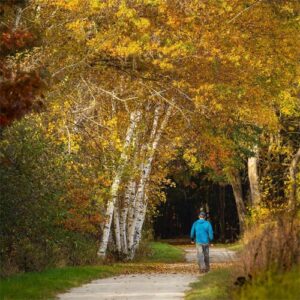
(117, 228)
(134, 119)
(139, 224)
(129, 194)
(141, 202)
(140, 188)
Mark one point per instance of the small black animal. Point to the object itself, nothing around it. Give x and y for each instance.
(241, 280)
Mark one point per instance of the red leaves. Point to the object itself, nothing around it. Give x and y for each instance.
(18, 91)
(15, 40)
(82, 217)
(83, 223)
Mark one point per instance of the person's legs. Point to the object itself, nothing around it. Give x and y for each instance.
(200, 257)
(205, 250)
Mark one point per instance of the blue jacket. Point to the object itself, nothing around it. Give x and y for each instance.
(203, 232)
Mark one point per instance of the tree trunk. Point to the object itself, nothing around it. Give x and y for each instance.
(134, 119)
(222, 212)
(254, 178)
(138, 212)
(117, 229)
(236, 183)
(140, 202)
(140, 188)
(130, 218)
(139, 224)
(129, 194)
(294, 169)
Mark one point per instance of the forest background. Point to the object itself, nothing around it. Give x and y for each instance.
(102, 100)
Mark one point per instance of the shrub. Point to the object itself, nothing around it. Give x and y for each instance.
(33, 211)
(271, 245)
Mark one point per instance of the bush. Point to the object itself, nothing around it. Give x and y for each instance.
(81, 249)
(34, 206)
(272, 245)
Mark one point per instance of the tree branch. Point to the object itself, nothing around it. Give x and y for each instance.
(243, 11)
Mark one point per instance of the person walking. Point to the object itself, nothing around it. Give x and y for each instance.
(202, 234)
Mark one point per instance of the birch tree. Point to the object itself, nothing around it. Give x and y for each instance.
(127, 213)
(146, 147)
(134, 119)
(134, 235)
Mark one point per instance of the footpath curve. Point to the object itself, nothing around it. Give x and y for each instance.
(170, 283)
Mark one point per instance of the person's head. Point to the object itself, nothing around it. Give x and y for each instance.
(202, 215)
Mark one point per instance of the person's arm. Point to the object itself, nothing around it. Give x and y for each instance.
(210, 232)
(193, 233)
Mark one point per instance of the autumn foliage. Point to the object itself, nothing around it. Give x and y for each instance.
(14, 40)
(138, 89)
(18, 92)
(20, 88)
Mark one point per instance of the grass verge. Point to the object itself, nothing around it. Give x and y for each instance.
(272, 286)
(237, 246)
(165, 253)
(47, 284)
(214, 285)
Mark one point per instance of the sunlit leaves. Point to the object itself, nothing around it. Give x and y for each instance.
(289, 104)
(228, 69)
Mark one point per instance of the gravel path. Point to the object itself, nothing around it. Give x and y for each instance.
(216, 255)
(169, 285)
(138, 286)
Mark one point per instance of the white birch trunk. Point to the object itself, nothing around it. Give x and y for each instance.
(134, 119)
(117, 229)
(131, 200)
(139, 223)
(136, 199)
(129, 194)
(130, 217)
(254, 178)
(236, 183)
(140, 202)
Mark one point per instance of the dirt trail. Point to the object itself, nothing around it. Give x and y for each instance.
(216, 255)
(169, 282)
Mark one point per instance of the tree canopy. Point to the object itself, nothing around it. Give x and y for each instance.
(127, 92)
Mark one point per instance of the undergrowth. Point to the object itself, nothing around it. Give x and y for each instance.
(214, 285)
(272, 285)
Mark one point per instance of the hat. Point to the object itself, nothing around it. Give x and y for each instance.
(202, 214)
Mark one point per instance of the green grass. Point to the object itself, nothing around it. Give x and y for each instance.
(237, 246)
(214, 285)
(165, 253)
(47, 284)
(273, 286)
